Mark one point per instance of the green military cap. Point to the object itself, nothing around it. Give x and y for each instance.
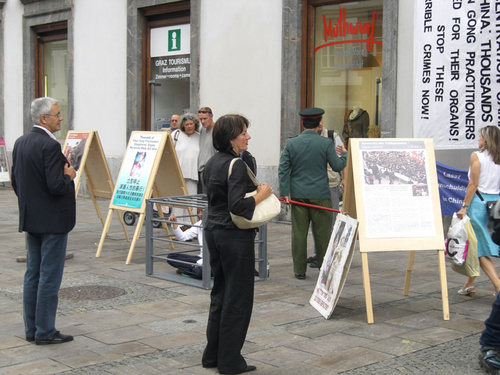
(311, 112)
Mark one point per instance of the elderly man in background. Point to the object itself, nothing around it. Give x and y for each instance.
(43, 182)
(174, 122)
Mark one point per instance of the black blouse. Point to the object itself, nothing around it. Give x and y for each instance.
(227, 195)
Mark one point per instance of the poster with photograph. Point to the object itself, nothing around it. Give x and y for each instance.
(74, 148)
(397, 197)
(136, 169)
(335, 266)
(4, 162)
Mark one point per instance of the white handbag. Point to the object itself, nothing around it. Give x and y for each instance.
(266, 210)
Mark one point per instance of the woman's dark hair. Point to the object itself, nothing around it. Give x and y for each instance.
(227, 128)
(190, 116)
(491, 135)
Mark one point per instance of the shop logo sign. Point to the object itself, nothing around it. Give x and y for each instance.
(174, 40)
(342, 28)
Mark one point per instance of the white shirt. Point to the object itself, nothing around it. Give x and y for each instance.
(188, 234)
(46, 131)
(187, 148)
(489, 176)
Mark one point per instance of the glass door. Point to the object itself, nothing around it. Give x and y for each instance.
(170, 62)
(51, 72)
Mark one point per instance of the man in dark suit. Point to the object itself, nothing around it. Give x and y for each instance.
(43, 182)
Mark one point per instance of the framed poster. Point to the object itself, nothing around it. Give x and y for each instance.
(335, 266)
(74, 147)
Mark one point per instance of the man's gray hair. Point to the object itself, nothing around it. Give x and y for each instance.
(41, 106)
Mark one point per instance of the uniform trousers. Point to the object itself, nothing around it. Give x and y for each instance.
(232, 259)
(321, 228)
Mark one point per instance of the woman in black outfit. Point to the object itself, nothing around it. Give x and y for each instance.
(232, 253)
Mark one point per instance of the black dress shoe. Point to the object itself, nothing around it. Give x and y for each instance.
(58, 338)
(30, 338)
(300, 276)
(247, 369)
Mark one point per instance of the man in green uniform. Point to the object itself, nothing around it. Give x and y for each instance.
(303, 177)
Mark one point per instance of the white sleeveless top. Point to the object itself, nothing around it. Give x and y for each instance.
(489, 176)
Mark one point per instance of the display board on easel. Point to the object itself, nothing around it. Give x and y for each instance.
(4, 162)
(84, 152)
(149, 168)
(391, 187)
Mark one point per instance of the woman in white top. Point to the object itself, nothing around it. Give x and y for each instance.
(187, 147)
(484, 177)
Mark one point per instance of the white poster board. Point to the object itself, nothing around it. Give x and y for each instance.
(336, 264)
(395, 182)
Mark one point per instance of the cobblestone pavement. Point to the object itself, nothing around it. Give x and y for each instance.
(125, 322)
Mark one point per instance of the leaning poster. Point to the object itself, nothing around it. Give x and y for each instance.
(335, 266)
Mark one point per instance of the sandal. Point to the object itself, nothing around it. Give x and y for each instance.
(469, 291)
(489, 359)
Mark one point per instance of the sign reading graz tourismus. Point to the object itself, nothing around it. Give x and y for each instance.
(456, 71)
(344, 31)
(171, 52)
(172, 67)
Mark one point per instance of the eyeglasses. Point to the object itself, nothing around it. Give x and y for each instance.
(56, 115)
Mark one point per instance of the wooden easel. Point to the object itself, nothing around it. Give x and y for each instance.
(355, 203)
(160, 176)
(90, 159)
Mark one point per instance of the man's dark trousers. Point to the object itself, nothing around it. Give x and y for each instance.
(44, 272)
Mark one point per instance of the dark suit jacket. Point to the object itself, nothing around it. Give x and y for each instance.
(46, 196)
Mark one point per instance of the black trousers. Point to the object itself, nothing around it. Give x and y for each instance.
(192, 269)
(232, 258)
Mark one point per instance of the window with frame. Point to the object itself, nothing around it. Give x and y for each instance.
(343, 58)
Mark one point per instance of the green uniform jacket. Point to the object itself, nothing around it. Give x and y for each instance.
(302, 169)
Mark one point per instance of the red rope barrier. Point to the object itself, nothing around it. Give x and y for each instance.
(308, 205)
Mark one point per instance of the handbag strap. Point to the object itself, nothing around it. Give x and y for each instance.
(480, 196)
(249, 172)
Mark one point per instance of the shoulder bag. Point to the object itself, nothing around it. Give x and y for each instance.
(490, 210)
(264, 211)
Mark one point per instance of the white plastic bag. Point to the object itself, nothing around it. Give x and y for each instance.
(457, 242)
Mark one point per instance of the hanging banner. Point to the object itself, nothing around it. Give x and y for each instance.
(452, 186)
(457, 71)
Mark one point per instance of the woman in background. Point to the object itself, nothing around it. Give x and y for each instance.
(484, 177)
(186, 141)
(232, 253)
